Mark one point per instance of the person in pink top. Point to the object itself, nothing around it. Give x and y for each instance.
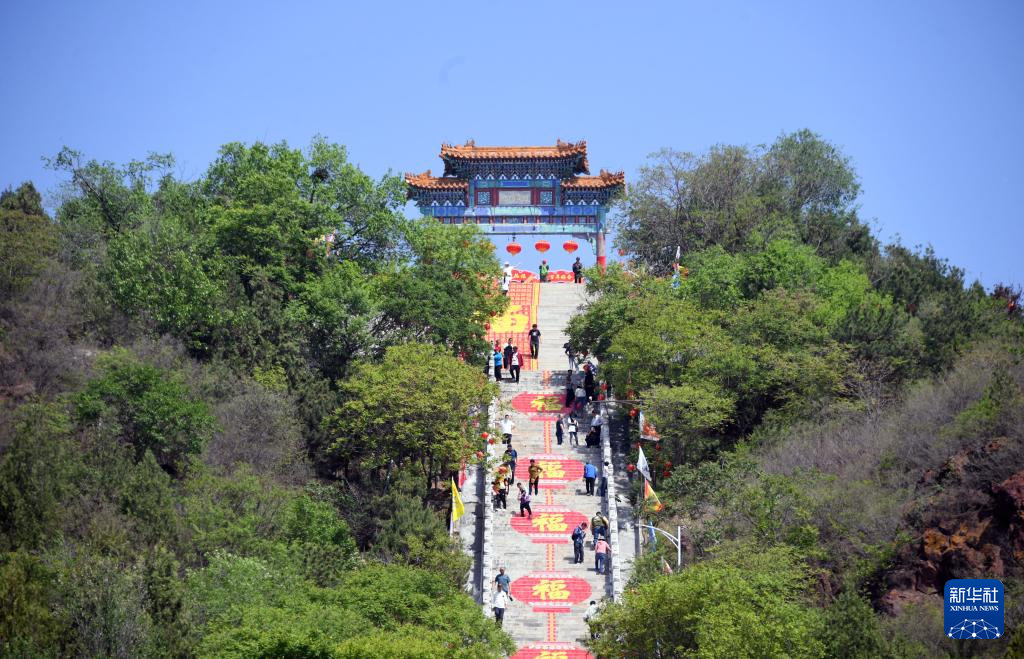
(601, 551)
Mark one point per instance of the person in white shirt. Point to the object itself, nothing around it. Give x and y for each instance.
(499, 604)
(591, 613)
(573, 429)
(506, 429)
(507, 270)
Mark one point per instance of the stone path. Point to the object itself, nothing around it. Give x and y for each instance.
(551, 592)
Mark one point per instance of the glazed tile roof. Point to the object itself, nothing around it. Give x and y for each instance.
(604, 180)
(428, 182)
(470, 151)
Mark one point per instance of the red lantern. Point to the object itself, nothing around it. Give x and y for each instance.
(542, 246)
(485, 435)
(631, 467)
(666, 474)
(601, 397)
(513, 248)
(480, 455)
(490, 441)
(604, 386)
(657, 447)
(570, 246)
(487, 326)
(633, 412)
(622, 252)
(668, 464)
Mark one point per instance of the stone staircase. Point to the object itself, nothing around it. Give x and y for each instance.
(551, 592)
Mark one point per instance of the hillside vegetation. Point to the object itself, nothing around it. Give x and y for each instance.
(223, 436)
(841, 421)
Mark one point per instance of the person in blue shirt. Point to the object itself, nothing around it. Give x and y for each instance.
(497, 365)
(589, 475)
(503, 581)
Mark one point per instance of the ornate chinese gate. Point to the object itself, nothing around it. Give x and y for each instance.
(521, 191)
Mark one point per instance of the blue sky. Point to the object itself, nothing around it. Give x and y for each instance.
(927, 98)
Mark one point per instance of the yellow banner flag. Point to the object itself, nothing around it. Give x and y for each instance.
(653, 502)
(458, 509)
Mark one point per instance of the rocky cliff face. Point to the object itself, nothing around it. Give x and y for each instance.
(974, 533)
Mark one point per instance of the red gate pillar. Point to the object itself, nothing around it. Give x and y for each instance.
(601, 258)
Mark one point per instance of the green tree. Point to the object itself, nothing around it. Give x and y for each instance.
(251, 608)
(446, 293)
(409, 532)
(801, 188)
(153, 409)
(38, 473)
(27, 238)
(164, 273)
(852, 629)
(338, 309)
(689, 418)
(390, 412)
(165, 602)
(28, 626)
(711, 608)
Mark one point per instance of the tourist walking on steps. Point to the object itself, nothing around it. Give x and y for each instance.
(606, 468)
(517, 364)
(500, 487)
(590, 614)
(560, 429)
(571, 354)
(507, 353)
(510, 457)
(589, 475)
(524, 502)
(503, 581)
(498, 604)
(544, 269)
(535, 471)
(497, 365)
(574, 435)
(506, 284)
(591, 611)
(589, 384)
(577, 271)
(601, 551)
(534, 341)
(579, 535)
(599, 526)
(579, 399)
(507, 426)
